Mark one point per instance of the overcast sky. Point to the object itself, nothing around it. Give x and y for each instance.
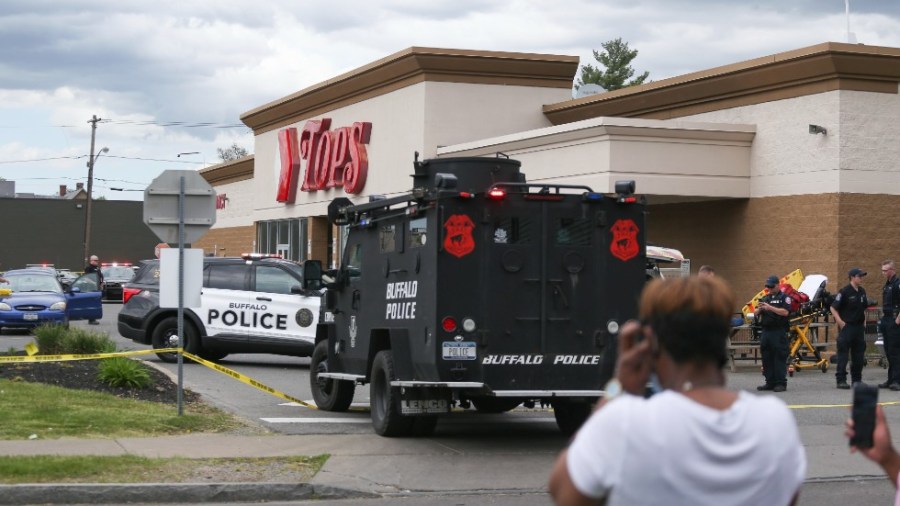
(171, 77)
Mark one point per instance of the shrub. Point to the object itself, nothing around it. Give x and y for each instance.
(79, 342)
(51, 339)
(123, 372)
(58, 340)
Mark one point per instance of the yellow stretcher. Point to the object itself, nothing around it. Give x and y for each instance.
(803, 352)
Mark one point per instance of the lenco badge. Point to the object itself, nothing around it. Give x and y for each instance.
(304, 317)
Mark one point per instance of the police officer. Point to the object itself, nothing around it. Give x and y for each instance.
(890, 324)
(849, 310)
(772, 315)
(93, 266)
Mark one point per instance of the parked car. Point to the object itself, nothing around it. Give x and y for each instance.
(249, 304)
(66, 277)
(31, 297)
(114, 276)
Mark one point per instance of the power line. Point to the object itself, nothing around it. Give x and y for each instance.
(126, 122)
(104, 156)
(44, 159)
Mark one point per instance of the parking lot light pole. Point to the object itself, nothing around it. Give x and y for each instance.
(92, 159)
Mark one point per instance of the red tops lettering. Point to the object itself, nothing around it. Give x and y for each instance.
(333, 158)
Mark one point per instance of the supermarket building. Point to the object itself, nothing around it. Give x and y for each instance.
(759, 167)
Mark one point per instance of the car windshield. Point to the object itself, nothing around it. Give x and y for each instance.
(32, 283)
(117, 272)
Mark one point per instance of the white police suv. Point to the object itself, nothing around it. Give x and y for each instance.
(249, 304)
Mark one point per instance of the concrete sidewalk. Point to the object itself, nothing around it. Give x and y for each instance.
(362, 465)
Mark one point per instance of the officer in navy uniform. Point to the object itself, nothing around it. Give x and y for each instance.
(890, 324)
(849, 310)
(772, 314)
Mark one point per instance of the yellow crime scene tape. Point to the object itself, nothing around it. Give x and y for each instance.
(247, 380)
(88, 356)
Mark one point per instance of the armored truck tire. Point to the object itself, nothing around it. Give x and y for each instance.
(329, 394)
(495, 404)
(165, 335)
(570, 414)
(384, 400)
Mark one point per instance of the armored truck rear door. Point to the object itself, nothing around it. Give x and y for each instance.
(553, 286)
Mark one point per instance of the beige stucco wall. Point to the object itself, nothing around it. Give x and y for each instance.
(859, 154)
(419, 118)
(664, 157)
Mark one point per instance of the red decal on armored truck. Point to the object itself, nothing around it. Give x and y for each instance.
(624, 245)
(459, 241)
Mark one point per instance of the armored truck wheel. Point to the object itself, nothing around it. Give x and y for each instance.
(495, 404)
(329, 394)
(570, 415)
(385, 400)
(165, 335)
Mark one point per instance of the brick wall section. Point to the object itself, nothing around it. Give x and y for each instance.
(865, 240)
(235, 240)
(746, 240)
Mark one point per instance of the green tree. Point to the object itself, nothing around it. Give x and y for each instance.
(232, 153)
(615, 70)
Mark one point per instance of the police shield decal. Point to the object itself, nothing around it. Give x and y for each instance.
(624, 244)
(459, 241)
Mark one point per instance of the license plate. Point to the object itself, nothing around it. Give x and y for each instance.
(30, 316)
(455, 350)
(422, 406)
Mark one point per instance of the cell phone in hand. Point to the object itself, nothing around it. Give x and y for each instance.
(865, 398)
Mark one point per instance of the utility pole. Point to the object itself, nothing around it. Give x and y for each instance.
(90, 186)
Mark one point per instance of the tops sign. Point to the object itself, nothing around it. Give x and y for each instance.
(333, 158)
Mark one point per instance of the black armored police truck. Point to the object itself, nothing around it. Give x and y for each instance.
(477, 289)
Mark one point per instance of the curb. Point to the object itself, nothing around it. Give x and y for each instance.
(148, 493)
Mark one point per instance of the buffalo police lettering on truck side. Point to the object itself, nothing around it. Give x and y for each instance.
(404, 293)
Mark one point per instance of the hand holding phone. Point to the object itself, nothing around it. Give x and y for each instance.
(865, 399)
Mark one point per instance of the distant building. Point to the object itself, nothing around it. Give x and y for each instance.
(50, 229)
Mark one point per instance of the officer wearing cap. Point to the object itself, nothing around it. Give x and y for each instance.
(890, 324)
(849, 310)
(772, 314)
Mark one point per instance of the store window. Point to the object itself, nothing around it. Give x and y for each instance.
(287, 238)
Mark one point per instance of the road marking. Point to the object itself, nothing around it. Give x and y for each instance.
(316, 420)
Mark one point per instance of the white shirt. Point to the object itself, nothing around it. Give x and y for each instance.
(671, 450)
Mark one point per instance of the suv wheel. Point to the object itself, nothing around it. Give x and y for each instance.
(165, 335)
(329, 394)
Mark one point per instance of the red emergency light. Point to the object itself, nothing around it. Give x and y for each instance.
(496, 194)
(448, 324)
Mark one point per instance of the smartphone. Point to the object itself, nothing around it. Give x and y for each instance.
(865, 398)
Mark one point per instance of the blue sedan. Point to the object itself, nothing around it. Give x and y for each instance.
(31, 297)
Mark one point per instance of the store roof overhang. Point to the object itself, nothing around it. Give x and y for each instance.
(411, 66)
(815, 69)
(671, 161)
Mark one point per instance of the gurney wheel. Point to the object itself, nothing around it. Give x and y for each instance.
(824, 366)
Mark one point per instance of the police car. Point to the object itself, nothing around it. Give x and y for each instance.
(249, 304)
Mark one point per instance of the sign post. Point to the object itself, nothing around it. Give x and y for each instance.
(179, 206)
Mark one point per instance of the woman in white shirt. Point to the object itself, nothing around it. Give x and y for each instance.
(696, 442)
